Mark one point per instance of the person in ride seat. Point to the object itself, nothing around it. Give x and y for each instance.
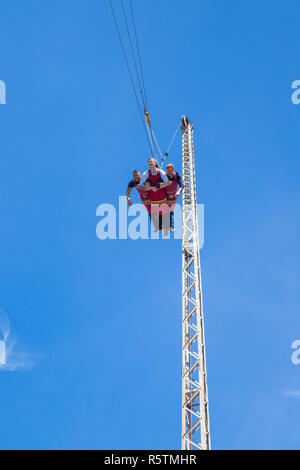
(142, 190)
(158, 181)
(173, 190)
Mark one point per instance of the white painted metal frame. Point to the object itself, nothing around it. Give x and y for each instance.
(195, 415)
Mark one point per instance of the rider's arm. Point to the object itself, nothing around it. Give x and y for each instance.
(129, 189)
(143, 178)
(180, 184)
(164, 180)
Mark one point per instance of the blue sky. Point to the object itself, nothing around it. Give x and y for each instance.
(102, 319)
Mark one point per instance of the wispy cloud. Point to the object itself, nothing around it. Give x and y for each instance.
(291, 393)
(11, 358)
(4, 325)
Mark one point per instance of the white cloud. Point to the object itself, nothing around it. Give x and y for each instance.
(291, 393)
(11, 358)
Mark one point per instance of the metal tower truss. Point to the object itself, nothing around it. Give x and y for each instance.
(195, 415)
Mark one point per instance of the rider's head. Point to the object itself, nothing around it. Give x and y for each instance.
(136, 176)
(170, 169)
(152, 162)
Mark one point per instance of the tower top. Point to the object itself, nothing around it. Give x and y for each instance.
(184, 122)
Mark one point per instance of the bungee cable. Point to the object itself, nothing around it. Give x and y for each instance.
(150, 135)
(130, 75)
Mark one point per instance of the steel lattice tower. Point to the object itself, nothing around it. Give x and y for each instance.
(195, 416)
